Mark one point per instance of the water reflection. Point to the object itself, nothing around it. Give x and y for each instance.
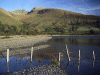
(76, 41)
(16, 63)
(93, 63)
(78, 65)
(67, 65)
(7, 66)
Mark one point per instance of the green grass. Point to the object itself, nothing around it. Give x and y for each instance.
(5, 19)
(82, 28)
(6, 37)
(55, 62)
(95, 29)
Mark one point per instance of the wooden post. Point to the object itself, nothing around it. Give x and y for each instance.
(79, 56)
(69, 59)
(59, 58)
(93, 56)
(66, 46)
(67, 52)
(68, 55)
(66, 49)
(31, 53)
(7, 55)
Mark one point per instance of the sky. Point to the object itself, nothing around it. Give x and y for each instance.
(89, 7)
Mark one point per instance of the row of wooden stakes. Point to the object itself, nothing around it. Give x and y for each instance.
(79, 54)
(59, 54)
(8, 54)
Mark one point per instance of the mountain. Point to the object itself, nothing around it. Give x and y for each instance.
(7, 18)
(50, 20)
(57, 17)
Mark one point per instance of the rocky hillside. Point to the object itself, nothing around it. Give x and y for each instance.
(20, 12)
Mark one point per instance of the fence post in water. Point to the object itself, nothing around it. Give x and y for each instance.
(7, 55)
(69, 59)
(59, 58)
(66, 46)
(31, 53)
(66, 49)
(68, 55)
(79, 56)
(93, 56)
(67, 52)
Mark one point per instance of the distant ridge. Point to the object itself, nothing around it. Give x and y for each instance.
(36, 9)
(20, 12)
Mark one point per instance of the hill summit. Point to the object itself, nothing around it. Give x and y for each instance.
(36, 9)
(20, 12)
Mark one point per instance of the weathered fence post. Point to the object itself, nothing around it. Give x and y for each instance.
(66, 49)
(79, 61)
(79, 56)
(78, 65)
(68, 55)
(69, 59)
(93, 56)
(67, 52)
(66, 46)
(31, 53)
(7, 55)
(59, 58)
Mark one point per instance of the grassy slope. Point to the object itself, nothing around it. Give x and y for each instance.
(5, 12)
(57, 17)
(5, 19)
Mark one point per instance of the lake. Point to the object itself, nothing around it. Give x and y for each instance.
(86, 65)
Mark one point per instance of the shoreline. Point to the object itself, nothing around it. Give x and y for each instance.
(22, 51)
(73, 35)
(21, 41)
